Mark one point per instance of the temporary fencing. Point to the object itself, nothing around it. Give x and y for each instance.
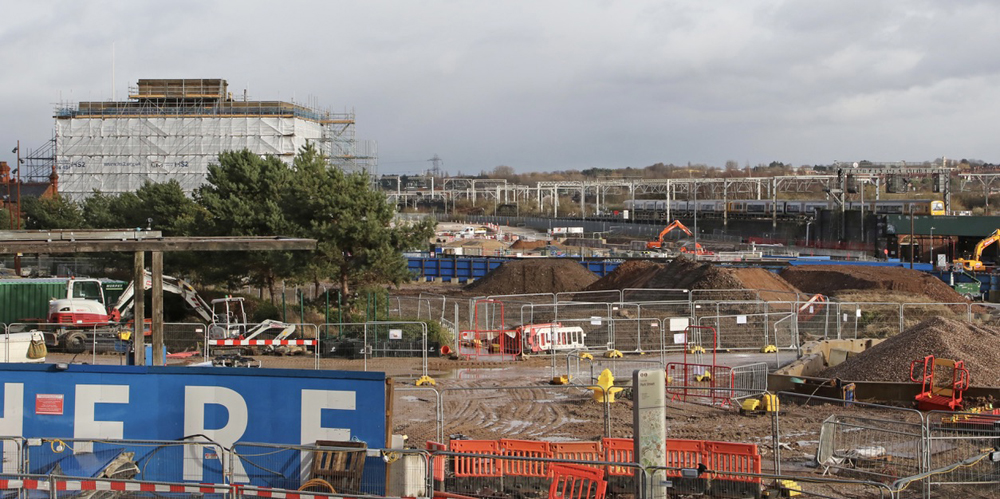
(247, 342)
(962, 459)
(377, 339)
(414, 402)
(505, 466)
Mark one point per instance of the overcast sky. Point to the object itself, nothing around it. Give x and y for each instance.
(547, 85)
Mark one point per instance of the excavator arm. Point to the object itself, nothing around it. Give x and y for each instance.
(676, 224)
(173, 285)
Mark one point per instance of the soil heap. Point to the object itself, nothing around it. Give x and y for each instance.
(684, 273)
(829, 279)
(943, 338)
(541, 275)
(526, 245)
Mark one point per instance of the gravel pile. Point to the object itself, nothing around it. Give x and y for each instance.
(944, 338)
(534, 275)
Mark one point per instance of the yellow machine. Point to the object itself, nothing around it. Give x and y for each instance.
(975, 263)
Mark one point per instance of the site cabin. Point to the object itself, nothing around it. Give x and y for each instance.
(553, 337)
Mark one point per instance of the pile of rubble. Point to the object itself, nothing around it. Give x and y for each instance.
(938, 336)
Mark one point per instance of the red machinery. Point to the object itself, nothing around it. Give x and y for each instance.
(942, 396)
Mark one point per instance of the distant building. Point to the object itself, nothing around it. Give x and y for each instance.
(174, 129)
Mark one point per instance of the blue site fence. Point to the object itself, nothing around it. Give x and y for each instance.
(463, 269)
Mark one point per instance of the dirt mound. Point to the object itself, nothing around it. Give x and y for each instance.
(534, 275)
(624, 275)
(943, 338)
(684, 273)
(524, 244)
(829, 279)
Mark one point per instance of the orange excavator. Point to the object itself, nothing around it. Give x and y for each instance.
(676, 224)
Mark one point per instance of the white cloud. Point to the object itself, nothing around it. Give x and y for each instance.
(548, 85)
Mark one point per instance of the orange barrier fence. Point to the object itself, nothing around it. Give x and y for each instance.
(718, 459)
(573, 481)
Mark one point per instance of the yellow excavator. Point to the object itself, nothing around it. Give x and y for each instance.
(975, 263)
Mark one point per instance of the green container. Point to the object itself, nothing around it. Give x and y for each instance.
(27, 300)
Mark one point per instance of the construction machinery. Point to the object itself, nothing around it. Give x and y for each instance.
(676, 224)
(74, 321)
(975, 263)
(229, 321)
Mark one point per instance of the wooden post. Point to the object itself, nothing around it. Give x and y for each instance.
(157, 312)
(139, 308)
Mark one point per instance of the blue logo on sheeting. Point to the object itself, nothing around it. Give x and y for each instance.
(219, 406)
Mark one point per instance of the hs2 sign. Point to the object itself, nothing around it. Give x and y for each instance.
(219, 405)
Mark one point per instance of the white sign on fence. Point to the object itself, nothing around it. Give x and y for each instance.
(395, 334)
(679, 323)
(741, 319)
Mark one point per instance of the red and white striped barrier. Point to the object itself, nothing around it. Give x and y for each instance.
(61, 485)
(261, 342)
(282, 494)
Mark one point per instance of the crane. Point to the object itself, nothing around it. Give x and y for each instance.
(975, 263)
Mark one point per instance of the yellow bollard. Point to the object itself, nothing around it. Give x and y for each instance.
(605, 387)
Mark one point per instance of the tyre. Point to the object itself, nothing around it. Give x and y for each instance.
(75, 343)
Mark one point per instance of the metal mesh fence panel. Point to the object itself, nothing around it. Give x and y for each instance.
(130, 460)
(183, 337)
(914, 313)
(959, 451)
(422, 419)
(868, 320)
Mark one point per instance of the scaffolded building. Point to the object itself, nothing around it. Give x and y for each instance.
(175, 129)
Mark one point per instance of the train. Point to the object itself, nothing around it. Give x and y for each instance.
(656, 209)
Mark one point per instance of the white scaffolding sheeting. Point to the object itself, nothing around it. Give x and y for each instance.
(119, 154)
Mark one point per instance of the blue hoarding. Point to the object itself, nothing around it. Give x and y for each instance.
(218, 405)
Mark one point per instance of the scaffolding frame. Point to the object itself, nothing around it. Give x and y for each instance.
(175, 129)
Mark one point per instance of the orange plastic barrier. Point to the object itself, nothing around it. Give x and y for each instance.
(684, 454)
(618, 450)
(577, 451)
(524, 448)
(572, 481)
(464, 466)
(437, 463)
(733, 457)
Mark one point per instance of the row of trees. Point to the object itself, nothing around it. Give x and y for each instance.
(250, 195)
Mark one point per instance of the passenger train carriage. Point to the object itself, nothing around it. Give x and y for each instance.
(656, 209)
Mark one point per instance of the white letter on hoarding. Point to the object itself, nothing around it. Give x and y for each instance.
(313, 403)
(84, 423)
(12, 423)
(195, 400)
